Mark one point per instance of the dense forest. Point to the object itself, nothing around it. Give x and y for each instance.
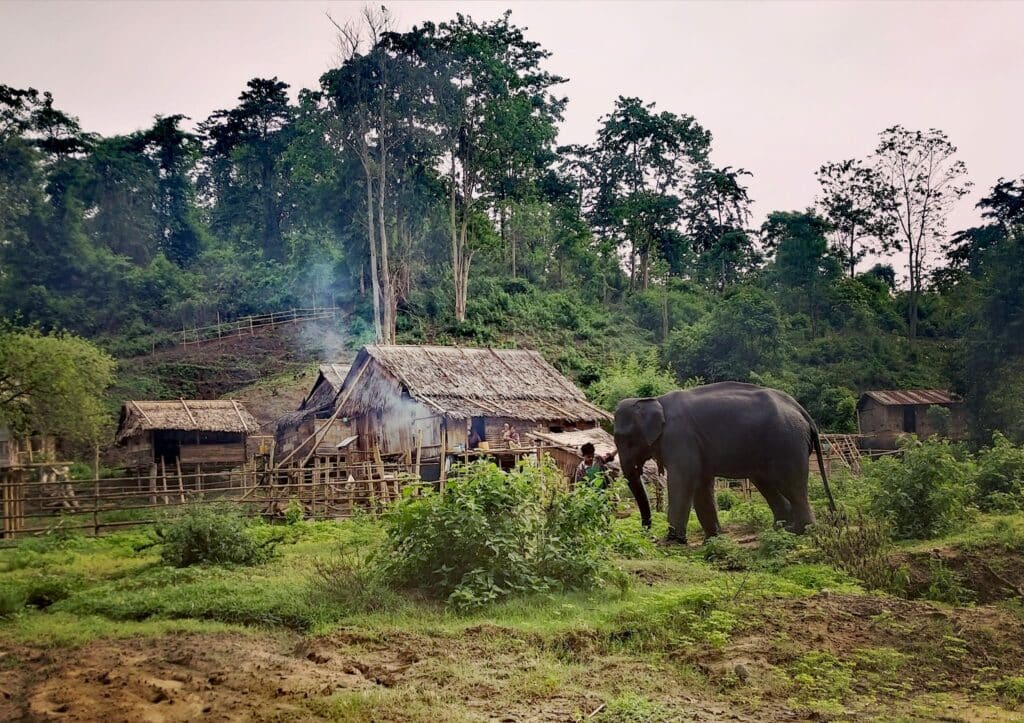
(421, 186)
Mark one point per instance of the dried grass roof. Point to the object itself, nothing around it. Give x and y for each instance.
(186, 415)
(459, 383)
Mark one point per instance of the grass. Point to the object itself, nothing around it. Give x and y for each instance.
(631, 648)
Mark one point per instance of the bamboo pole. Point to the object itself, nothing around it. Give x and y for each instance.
(152, 483)
(419, 449)
(96, 493)
(163, 476)
(181, 482)
(322, 432)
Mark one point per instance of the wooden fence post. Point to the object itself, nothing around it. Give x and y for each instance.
(96, 493)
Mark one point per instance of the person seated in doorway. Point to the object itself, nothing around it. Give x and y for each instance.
(510, 436)
(472, 437)
(592, 465)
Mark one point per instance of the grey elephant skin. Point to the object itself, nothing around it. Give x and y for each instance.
(729, 429)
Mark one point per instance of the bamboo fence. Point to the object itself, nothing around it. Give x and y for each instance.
(248, 325)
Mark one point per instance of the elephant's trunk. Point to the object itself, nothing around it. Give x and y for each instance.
(636, 486)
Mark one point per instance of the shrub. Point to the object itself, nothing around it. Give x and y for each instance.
(210, 534)
(751, 516)
(945, 585)
(45, 590)
(923, 493)
(633, 376)
(999, 478)
(776, 544)
(12, 601)
(725, 554)
(726, 499)
(859, 548)
(351, 581)
(493, 534)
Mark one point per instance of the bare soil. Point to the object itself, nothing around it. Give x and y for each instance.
(480, 673)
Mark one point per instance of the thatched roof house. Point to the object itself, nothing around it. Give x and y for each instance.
(193, 431)
(400, 398)
(884, 415)
(313, 412)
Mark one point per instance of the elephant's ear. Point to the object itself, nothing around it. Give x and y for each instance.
(651, 420)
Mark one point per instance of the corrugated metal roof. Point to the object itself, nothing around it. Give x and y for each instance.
(906, 397)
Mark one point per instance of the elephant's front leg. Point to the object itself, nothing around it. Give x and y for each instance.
(707, 510)
(680, 500)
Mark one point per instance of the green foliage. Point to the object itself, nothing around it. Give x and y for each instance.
(673, 620)
(12, 601)
(944, 585)
(924, 492)
(349, 582)
(210, 534)
(294, 513)
(726, 499)
(1009, 691)
(725, 554)
(752, 515)
(821, 679)
(741, 335)
(53, 384)
(632, 376)
(999, 476)
(493, 534)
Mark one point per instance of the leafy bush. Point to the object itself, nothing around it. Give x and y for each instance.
(776, 544)
(999, 478)
(633, 376)
(726, 499)
(859, 548)
(210, 534)
(493, 534)
(821, 679)
(725, 554)
(923, 493)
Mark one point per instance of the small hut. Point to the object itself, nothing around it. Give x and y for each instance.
(314, 412)
(398, 400)
(207, 432)
(883, 416)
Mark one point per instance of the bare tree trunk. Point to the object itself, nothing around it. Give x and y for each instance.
(387, 291)
(371, 237)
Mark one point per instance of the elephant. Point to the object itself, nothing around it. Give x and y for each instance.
(727, 429)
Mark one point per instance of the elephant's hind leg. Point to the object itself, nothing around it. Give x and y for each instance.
(680, 500)
(781, 508)
(707, 510)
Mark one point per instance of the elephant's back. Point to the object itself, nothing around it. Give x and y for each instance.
(739, 407)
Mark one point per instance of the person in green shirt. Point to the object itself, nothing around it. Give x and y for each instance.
(592, 465)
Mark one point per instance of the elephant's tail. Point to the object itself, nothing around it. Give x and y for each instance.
(816, 442)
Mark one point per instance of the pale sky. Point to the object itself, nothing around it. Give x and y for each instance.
(783, 87)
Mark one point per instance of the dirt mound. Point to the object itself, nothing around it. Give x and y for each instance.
(984, 575)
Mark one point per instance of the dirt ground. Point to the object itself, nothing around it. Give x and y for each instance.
(478, 674)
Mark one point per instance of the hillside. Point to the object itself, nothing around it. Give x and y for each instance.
(270, 371)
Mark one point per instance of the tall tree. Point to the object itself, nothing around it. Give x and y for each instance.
(243, 174)
(716, 214)
(175, 152)
(644, 161)
(495, 120)
(919, 171)
(859, 206)
(802, 263)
